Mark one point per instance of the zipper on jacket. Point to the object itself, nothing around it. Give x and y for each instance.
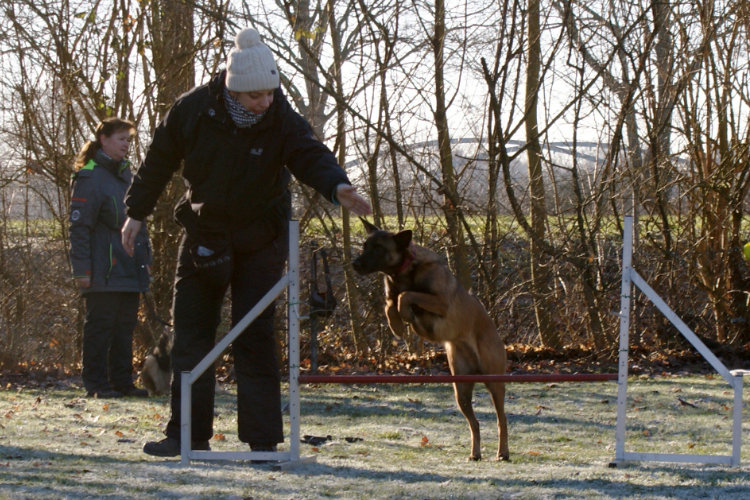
(111, 250)
(111, 265)
(117, 212)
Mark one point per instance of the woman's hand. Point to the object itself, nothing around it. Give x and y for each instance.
(129, 231)
(83, 283)
(349, 199)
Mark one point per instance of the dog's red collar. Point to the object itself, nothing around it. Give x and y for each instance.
(408, 259)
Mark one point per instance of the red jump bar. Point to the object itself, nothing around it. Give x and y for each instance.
(437, 379)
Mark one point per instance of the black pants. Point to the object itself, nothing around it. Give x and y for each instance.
(197, 312)
(108, 340)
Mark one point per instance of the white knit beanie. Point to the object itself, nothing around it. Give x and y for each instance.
(250, 65)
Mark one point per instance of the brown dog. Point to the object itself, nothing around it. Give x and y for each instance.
(421, 292)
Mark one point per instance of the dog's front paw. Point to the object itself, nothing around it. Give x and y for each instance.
(395, 323)
(405, 308)
(474, 458)
(503, 458)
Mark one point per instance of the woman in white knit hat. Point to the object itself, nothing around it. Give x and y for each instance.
(239, 140)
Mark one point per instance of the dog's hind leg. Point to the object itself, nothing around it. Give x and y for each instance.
(463, 361)
(497, 393)
(463, 392)
(493, 359)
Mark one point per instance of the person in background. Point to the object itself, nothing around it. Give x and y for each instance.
(109, 278)
(239, 139)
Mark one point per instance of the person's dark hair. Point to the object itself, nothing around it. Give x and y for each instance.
(106, 128)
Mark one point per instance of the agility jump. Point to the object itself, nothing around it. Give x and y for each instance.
(734, 378)
(291, 282)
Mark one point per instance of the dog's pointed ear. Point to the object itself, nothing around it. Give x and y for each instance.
(369, 226)
(402, 239)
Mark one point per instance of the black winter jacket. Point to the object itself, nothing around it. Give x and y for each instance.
(97, 214)
(234, 176)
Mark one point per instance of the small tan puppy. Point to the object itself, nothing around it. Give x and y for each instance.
(156, 374)
(421, 292)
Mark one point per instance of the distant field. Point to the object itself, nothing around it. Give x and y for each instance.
(430, 226)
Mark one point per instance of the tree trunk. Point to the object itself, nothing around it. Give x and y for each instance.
(358, 337)
(172, 33)
(541, 290)
(449, 191)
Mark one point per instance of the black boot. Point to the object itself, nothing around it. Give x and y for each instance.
(170, 447)
(133, 391)
(104, 393)
(262, 447)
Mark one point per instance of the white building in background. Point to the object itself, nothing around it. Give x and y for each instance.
(34, 198)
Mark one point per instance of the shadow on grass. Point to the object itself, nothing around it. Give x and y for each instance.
(39, 473)
(69, 475)
(366, 408)
(615, 488)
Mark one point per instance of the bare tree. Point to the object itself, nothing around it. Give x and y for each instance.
(540, 274)
(716, 181)
(505, 134)
(170, 25)
(448, 187)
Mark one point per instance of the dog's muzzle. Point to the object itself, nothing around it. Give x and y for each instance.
(360, 267)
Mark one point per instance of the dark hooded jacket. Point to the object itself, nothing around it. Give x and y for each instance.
(97, 214)
(236, 178)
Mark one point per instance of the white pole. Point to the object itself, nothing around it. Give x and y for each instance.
(737, 421)
(185, 417)
(622, 372)
(240, 327)
(685, 330)
(293, 296)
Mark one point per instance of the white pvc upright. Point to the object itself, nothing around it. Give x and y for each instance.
(293, 315)
(622, 371)
(283, 458)
(734, 378)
